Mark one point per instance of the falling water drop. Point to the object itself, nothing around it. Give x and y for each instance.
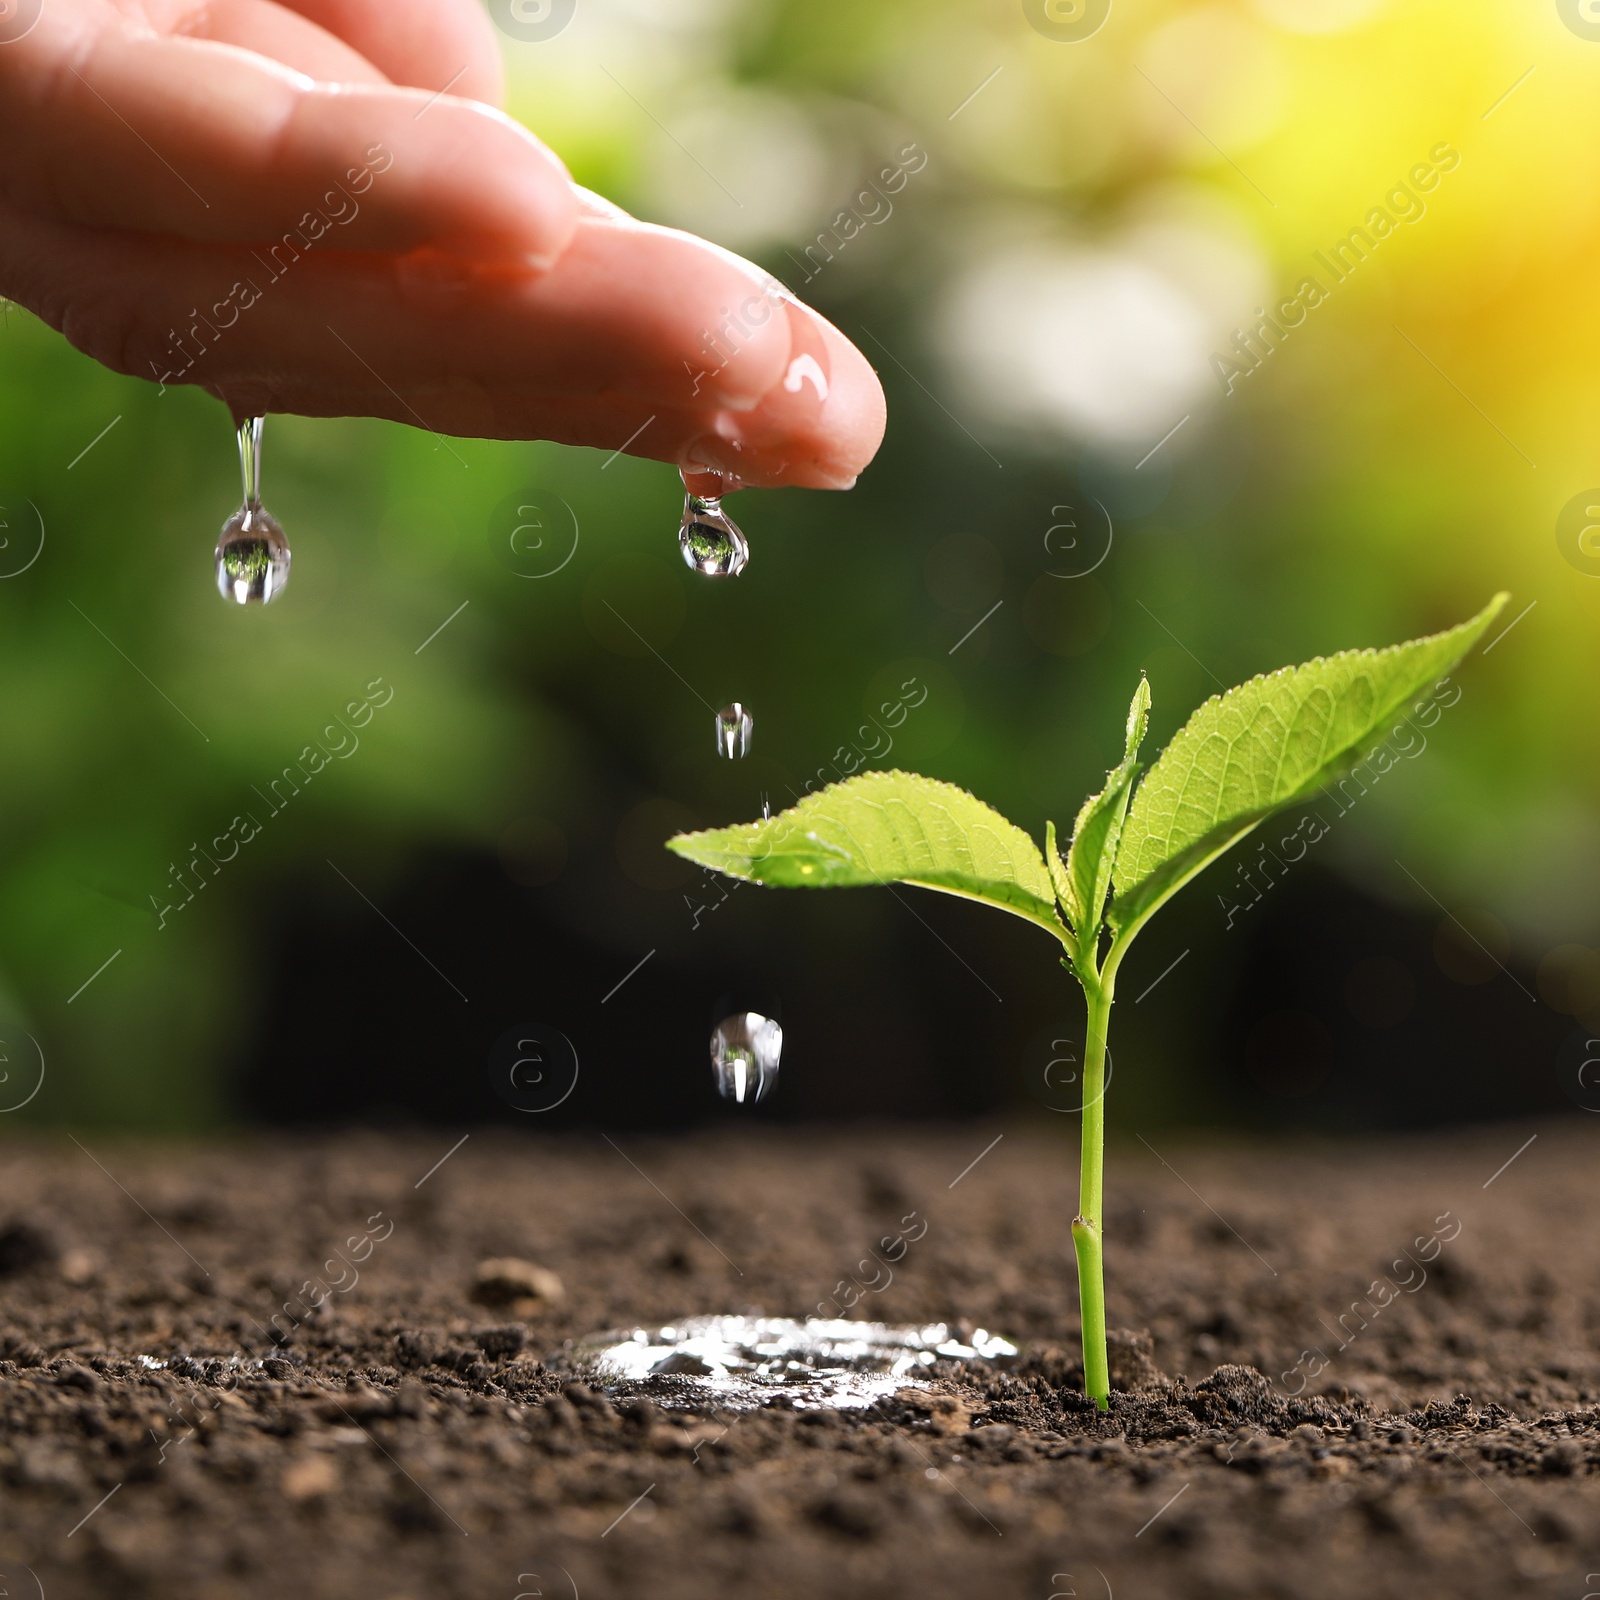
(711, 541)
(734, 726)
(252, 552)
(744, 1056)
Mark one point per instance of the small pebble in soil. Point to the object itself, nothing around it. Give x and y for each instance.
(523, 1286)
(79, 1267)
(310, 1479)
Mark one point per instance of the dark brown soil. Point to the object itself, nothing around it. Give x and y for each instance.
(405, 1442)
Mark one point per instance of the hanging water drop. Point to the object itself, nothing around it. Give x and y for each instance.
(711, 541)
(734, 727)
(252, 552)
(744, 1056)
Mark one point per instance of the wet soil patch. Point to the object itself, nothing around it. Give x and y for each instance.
(330, 1367)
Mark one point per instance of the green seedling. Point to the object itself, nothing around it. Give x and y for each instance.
(1243, 755)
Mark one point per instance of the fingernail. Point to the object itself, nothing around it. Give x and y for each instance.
(809, 375)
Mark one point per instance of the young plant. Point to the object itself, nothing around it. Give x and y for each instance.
(1242, 756)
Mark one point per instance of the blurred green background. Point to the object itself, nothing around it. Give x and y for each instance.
(1043, 298)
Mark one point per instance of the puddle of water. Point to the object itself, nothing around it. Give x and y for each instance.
(731, 1362)
(745, 1362)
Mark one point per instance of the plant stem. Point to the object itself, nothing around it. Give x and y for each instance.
(1086, 1226)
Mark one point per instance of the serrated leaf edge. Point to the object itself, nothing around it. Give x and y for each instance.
(1027, 905)
(1122, 921)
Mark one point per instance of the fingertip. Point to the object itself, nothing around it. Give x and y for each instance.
(856, 413)
(826, 414)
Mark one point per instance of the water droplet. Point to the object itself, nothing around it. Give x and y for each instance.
(744, 1056)
(711, 541)
(252, 557)
(252, 553)
(734, 726)
(742, 1363)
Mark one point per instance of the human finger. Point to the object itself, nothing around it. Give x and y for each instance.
(203, 140)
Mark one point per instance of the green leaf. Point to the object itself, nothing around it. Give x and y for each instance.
(1058, 869)
(1061, 884)
(1098, 830)
(887, 827)
(1266, 744)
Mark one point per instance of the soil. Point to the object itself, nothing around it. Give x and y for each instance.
(407, 1440)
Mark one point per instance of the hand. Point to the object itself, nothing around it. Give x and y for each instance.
(279, 203)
